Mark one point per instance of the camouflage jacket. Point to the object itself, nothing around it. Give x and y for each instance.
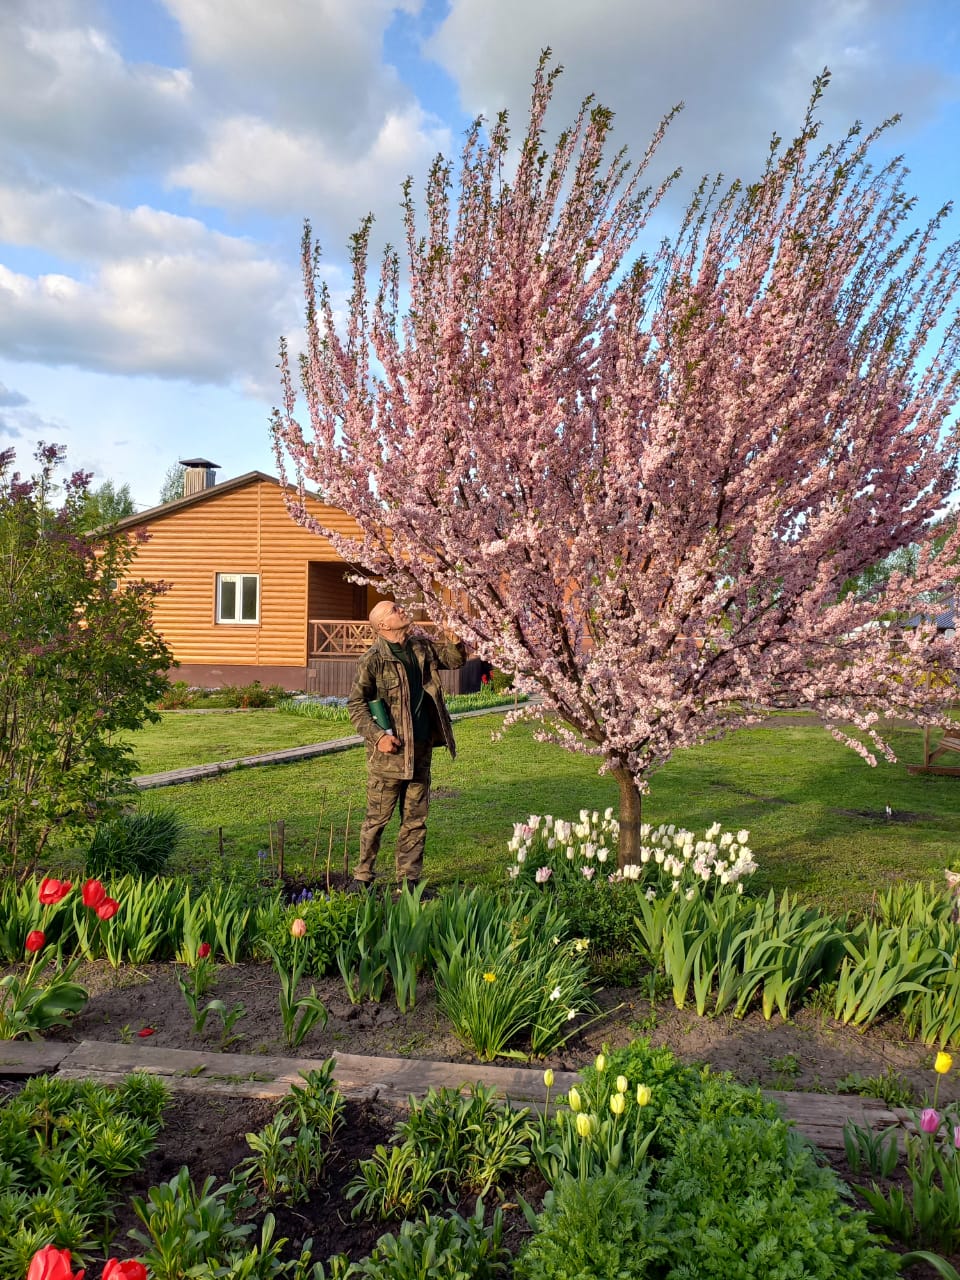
(381, 675)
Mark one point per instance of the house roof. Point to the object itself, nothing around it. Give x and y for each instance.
(944, 620)
(204, 495)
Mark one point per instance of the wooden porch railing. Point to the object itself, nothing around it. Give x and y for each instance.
(346, 637)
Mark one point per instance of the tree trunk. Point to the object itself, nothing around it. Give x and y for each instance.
(630, 808)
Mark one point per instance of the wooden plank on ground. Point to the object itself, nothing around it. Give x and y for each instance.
(31, 1057)
(260, 1075)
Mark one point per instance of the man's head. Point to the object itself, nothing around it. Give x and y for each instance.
(389, 621)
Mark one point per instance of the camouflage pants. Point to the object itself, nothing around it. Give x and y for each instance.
(383, 796)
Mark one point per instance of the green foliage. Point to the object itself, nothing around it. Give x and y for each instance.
(601, 911)
(81, 662)
(925, 1211)
(31, 1002)
(250, 695)
(389, 939)
(881, 966)
(65, 1147)
(601, 1226)
(330, 922)
(894, 1089)
(106, 504)
(746, 1200)
(871, 1152)
(177, 696)
(185, 1225)
(449, 1248)
(136, 844)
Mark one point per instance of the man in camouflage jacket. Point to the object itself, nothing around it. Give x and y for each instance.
(402, 671)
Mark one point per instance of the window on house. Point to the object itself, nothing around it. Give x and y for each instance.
(238, 597)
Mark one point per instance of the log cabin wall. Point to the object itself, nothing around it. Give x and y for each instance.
(242, 529)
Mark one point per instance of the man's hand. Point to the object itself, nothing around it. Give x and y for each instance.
(389, 744)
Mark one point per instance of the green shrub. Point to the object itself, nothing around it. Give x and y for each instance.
(177, 696)
(330, 922)
(251, 695)
(450, 1248)
(746, 1200)
(601, 1226)
(138, 844)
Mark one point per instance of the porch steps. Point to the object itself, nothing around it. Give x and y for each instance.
(819, 1117)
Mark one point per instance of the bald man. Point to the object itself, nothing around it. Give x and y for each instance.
(401, 671)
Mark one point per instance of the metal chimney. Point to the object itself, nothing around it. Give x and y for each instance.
(199, 475)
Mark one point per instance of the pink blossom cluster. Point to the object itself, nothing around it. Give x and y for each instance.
(646, 477)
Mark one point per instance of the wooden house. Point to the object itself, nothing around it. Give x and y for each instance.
(250, 594)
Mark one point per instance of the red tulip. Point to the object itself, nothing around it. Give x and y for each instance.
(49, 1263)
(108, 908)
(36, 940)
(130, 1270)
(93, 894)
(52, 891)
(203, 950)
(145, 1031)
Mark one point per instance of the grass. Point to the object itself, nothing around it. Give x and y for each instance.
(816, 812)
(183, 738)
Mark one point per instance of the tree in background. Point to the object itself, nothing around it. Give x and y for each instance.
(172, 487)
(106, 504)
(79, 662)
(639, 479)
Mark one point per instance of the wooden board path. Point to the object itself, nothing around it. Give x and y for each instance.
(819, 1116)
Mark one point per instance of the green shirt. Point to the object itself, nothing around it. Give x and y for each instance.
(422, 729)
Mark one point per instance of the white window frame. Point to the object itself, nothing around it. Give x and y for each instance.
(238, 580)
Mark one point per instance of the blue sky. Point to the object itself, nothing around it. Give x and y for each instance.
(158, 157)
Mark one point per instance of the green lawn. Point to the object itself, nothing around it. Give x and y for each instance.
(183, 738)
(814, 809)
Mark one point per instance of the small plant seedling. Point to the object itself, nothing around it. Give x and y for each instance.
(786, 1065)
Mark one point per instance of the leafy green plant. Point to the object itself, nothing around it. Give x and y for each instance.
(894, 1089)
(602, 1226)
(32, 1002)
(299, 1014)
(397, 1182)
(330, 922)
(880, 967)
(138, 844)
(871, 1152)
(447, 1248)
(185, 1225)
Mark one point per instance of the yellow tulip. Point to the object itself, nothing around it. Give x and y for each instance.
(601, 1062)
(573, 1098)
(643, 1095)
(623, 1084)
(943, 1063)
(617, 1104)
(583, 1125)
(548, 1078)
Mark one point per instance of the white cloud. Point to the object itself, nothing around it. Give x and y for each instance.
(743, 68)
(69, 102)
(252, 162)
(201, 314)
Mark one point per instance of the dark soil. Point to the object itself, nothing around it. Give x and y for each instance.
(811, 1052)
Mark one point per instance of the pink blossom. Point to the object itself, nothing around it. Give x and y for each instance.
(643, 478)
(588, 872)
(543, 874)
(929, 1120)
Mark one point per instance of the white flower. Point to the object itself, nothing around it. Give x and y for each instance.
(551, 843)
(513, 872)
(658, 856)
(743, 836)
(725, 839)
(650, 894)
(602, 854)
(589, 850)
(711, 833)
(644, 830)
(521, 855)
(571, 1013)
(739, 888)
(570, 852)
(690, 894)
(588, 872)
(645, 853)
(543, 874)
(631, 871)
(675, 886)
(555, 993)
(608, 814)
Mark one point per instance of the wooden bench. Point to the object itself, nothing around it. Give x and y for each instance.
(949, 743)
